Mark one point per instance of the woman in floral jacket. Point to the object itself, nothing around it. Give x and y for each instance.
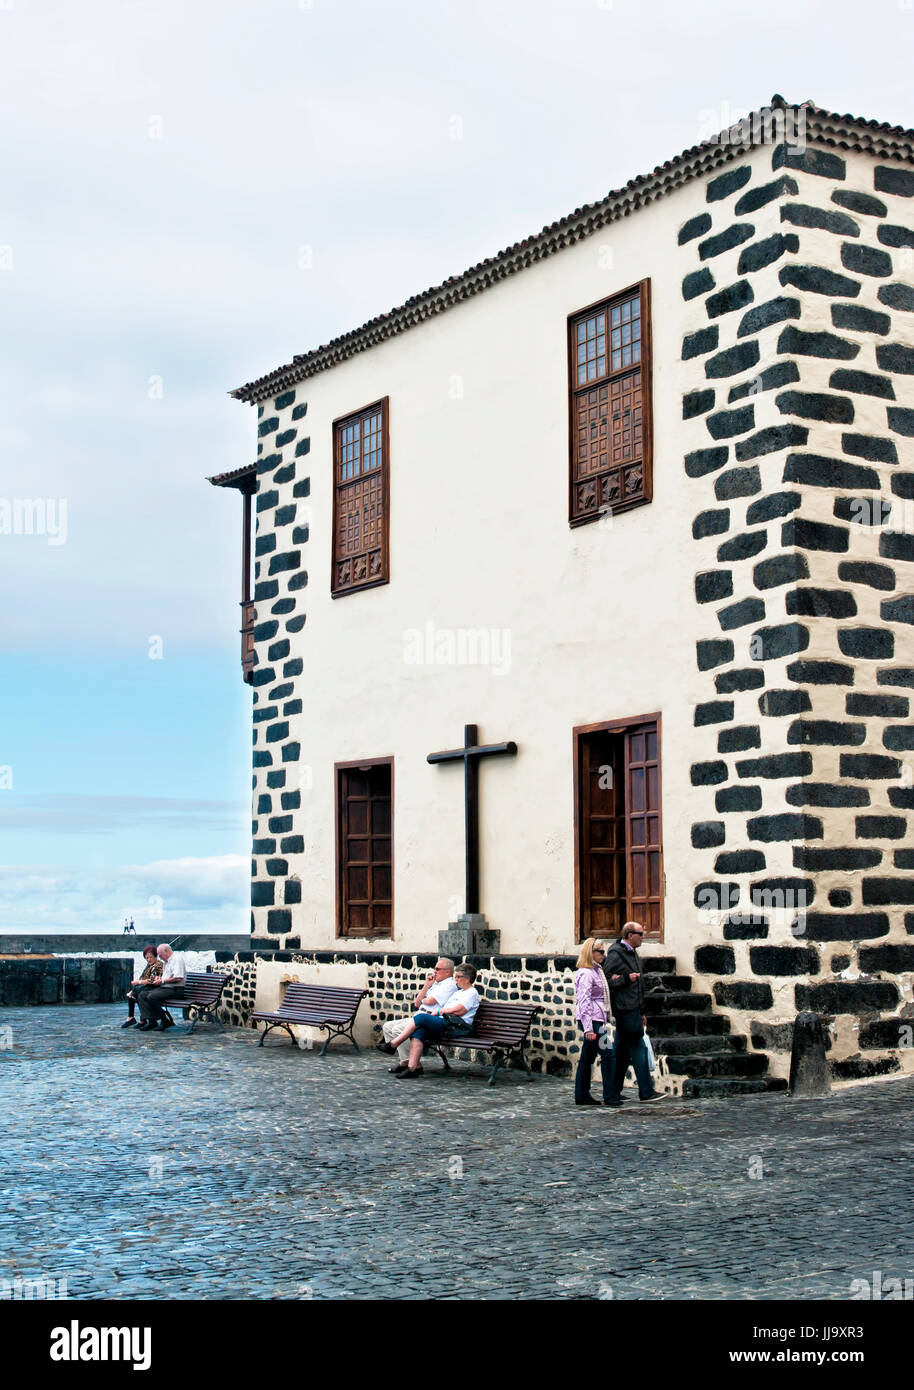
(592, 1014)
(152, 971)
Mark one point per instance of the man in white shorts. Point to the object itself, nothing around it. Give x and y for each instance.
(438, 988)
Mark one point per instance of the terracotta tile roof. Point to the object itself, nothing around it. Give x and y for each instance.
(827, 128)
(236, 477)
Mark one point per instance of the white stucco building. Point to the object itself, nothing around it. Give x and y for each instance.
(634, 495)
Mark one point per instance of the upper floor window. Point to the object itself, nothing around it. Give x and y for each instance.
(361, 509)
(610, 428)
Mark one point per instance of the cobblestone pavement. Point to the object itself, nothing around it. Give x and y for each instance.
(282, 1175)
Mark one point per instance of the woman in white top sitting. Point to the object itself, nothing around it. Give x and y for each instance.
(449, 1021)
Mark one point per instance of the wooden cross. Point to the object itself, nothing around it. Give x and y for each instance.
(470, 754)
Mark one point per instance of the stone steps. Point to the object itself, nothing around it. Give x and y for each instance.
(696, 1044)
(731, 1086)
(703, 1025)
(715, 1064)
(654, 984)
(690, 1045)
(676, 1001)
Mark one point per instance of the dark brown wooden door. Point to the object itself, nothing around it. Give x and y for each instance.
(642, 818)
(365, 849)
(620, 854)
(602, 824)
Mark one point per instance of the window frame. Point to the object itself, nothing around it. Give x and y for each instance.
(643, 287)
(616, 726)
(336, 590)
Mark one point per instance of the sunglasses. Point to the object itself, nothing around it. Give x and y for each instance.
(598, 951)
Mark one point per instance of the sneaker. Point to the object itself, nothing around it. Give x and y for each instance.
(615, 1104)
(655, 1095)
(144, 1027)
(129, 1023)
(166, 1023)
(588, 1100)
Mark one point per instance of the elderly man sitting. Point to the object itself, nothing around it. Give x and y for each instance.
(437, 990)
(151, 997)
(442, 1023)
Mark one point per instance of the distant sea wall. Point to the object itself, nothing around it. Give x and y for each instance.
(92, 980)
(28, 944)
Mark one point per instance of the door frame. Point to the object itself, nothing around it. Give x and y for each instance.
(338, 846)
(610, 726)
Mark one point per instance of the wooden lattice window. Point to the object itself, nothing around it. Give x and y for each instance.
(361, 505)
(610, 404)
(619, 849)
(364, 815)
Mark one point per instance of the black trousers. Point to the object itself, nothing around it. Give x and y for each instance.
(591, 1049)
(150, 999)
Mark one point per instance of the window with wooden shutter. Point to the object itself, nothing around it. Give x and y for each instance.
(361, 507)
(610, 403)
(364, 814)
(618, 839)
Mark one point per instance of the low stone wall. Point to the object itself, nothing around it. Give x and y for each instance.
(393, 982)
(25, 944)
(64, 980)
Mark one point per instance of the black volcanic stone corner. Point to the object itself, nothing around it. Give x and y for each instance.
(696, 403)
(888, 178)
(713, 523)
(696, 344)
(775, 504)
(816, 344)
(862, 384)
(726, 240)
(867, 572)
(868, 446)
(784, 960)
(895, 357)
(739, 739)
(897, 297)
(279, 920)
(809, 160)
(737, 482)
(697, 282)
(713, 712)
(762, 253)
(713, 653)
(814, 535)
(707, 834)
(821, 603)
(819, 219)
(749, 926)
(715, 960)
(729, 681)
(864, 203)
(859, 319)
(743, 995)
(780, 569)
(741, 358)
(741, 614)
(764, 194)
(726, 301)
(738, 798)
(817, 279)
(739, 861)
(696, 226)
(817, 470)
(703, 461)
(785, 825)
(777, 703)
(708, 774)
(847, 997)
(763, 315)
(262, 894)
(713, 585)
(741, 547)
(769, 441)
(717, 895)
(727, 423)
(730, 181)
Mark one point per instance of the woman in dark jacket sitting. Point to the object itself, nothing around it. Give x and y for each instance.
(151, 972)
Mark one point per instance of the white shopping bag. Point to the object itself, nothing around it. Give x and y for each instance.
(651, 1059)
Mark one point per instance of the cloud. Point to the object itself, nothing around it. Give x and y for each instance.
(76, 814)
(165, 897)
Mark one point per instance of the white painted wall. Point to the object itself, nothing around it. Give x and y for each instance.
(602, 619)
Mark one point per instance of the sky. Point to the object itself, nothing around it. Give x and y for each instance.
(191, 192)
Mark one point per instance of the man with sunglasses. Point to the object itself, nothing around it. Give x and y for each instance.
(437, 990)
(625, 977)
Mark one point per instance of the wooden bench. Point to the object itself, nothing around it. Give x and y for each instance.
(316, 1006)
(202, 991)
(497, 1028)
